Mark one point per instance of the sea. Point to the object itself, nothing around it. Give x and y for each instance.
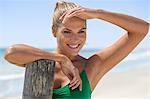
(12, 76)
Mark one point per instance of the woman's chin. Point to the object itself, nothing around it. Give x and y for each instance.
(72, 53)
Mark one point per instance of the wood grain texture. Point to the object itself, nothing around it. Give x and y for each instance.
(38, 82)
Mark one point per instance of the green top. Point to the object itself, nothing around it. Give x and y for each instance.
(66, 92)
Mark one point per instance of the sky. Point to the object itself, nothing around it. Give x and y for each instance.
(29, 22)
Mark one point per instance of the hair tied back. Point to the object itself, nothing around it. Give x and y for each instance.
(60, 1)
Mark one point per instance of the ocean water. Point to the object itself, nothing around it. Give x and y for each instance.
(12, 77)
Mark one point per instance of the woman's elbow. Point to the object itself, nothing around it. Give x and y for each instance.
(10, 52)
(146, 28)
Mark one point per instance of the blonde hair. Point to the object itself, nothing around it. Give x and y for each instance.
(60, 8)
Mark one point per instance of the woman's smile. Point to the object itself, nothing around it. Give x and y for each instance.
(73, 46)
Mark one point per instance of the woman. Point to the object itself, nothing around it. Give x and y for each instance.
(75, 76)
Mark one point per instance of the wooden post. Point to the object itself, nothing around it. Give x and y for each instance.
(38, 82)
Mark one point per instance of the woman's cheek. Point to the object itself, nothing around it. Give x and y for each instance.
(64, 40)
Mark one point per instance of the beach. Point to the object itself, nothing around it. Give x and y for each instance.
(133, 84)
(130, 79)
(30, 22)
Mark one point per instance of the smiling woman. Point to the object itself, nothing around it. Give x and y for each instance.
(71, 36)
(76, 77)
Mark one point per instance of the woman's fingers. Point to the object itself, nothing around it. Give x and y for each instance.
(76, 13)
(62, 17)
(74, 79)
(72, 84)
(69, 12)
(73, 10)
(65, 16)
(78, 84)
(80, 87)
(72, 73)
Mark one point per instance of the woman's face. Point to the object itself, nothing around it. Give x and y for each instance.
(71, 36)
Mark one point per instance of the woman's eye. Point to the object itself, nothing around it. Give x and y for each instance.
(66, 32)
(81, 31)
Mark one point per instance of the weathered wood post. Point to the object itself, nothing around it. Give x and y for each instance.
(38, 80)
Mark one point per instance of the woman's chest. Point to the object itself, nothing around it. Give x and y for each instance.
(60, 80)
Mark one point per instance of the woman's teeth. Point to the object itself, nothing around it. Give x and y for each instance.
(73, 46)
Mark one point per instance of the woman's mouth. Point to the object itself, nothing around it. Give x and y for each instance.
(73, 46)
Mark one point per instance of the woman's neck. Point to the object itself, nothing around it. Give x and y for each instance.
(71, 57)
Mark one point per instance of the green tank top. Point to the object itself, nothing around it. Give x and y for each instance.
(67, 93)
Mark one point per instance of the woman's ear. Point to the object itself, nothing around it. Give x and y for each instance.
(54, 31)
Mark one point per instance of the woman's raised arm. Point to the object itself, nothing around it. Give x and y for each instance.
(104, 60)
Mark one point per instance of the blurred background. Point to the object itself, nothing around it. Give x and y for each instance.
(29, 22)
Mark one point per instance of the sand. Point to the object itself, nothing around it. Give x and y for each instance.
(132, 84)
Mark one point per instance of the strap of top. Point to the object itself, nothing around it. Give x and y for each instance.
(84, 66)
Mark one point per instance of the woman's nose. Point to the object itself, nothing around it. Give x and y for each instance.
(75, 37)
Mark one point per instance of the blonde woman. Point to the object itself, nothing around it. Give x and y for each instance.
(75, 76)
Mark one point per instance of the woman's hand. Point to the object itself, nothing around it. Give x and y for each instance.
(72, 73)
(80, 12)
